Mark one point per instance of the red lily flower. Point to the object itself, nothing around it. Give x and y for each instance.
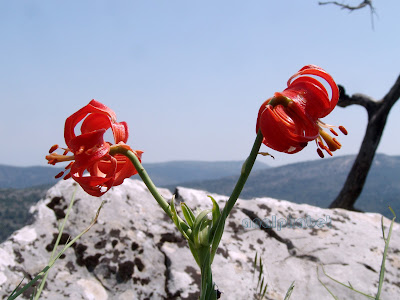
(290, 119)
(91, 153)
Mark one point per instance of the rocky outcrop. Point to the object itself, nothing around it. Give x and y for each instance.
(135, 252)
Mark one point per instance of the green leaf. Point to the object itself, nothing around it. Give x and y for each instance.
(194, 252)
(188, 214)
(179, 223)
(217, 235)
(215, 210)
(261, 272)
(197, 226)
(255, 264)
(387, 241)
(204, 233)
(289, 292)
(174, 213)
(261, 285)
(206, 275)
(29, 284)
(265, 290)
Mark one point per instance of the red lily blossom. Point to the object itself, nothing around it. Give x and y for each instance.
(91, 153)
(290, 119)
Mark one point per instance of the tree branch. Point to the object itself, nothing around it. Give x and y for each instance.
(366, 101)
(394, 94)
(363, 4)
(344, 6)
(377, 117)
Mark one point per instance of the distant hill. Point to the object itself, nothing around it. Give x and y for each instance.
(161, 173)
(14, 207)
(173, 172)
(23, 177)
(317, 183)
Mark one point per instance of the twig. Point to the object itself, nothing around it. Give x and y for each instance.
(363, 4)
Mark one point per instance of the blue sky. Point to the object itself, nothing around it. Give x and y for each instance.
(187, 76)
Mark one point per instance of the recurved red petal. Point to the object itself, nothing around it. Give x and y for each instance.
(319, 72)
(260, 111)
(95, 121)
(88, 148)
(310, 95)
(284, 130)
(121, 132)
(93, 107)
(98, 182)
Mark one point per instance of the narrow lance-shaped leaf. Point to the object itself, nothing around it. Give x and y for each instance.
(174, 214)
(261, 285)
(194, 252)
(206, 276)
(215, 210)
(289, 292)
(188, 214)
(217, 235)
(261, 271)
(254, 264)
(197, 226)
(182, 227)
(204, 233)
(265, 290)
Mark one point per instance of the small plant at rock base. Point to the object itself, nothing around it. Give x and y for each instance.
(381, 273)
(262, 285)
(42, 275)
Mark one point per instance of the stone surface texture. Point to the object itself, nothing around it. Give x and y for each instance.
(135, 252)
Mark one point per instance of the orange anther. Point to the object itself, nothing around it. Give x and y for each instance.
(67, 176)
(319, 151)
(329, 151)
(59, 174)
(343, 130)
(337, 142)
(53, 148)
(333, 131)
(65, 152)
(69, 165)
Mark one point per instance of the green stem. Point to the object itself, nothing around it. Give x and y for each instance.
(61, 230)
(145, 177)
(218, 228)
(387, 240)
(246, 169)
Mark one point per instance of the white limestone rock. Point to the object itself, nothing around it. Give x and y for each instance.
(135, 252)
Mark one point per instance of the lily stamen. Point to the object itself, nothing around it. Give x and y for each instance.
(53, 148)
(59, 175)
(333, 131)
(343, 130)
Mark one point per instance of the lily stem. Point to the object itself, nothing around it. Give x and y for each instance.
(244, 175)
(145, 177)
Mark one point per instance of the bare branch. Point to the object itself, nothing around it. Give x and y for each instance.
(344, 6)
(363, 4)
(366, 101)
